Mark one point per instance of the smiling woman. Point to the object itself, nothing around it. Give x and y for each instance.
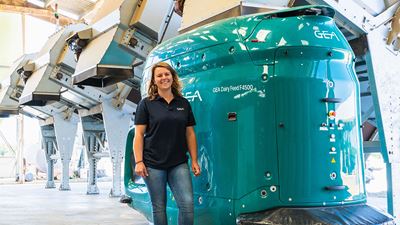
(164, 135)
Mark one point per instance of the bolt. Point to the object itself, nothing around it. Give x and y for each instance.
(263, 193)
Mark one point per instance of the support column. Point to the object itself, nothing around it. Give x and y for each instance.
(65, 126)
(21, 162)
(91, 128)
(48, 144)
(116, 124)
(50, 174)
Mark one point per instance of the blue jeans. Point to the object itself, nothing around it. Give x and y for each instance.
(178, 179)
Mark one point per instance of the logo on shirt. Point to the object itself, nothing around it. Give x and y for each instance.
(180, 109)
(191, 96)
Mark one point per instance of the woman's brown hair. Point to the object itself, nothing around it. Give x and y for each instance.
(176, 87)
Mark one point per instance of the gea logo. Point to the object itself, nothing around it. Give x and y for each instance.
(325, 35)
(191, 96)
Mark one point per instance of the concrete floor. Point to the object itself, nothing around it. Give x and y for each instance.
(32, 204)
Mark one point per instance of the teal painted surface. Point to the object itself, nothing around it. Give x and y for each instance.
(253, 163)
(305, 31)
(302, 79)
(117, 55)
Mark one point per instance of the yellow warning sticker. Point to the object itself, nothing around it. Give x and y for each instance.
(333, 160)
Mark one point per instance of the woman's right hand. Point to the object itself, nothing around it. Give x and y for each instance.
(140, 169)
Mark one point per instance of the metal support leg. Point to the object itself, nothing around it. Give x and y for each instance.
(116, 124)
(50, 174)
(92, 176)
(48, 140)
(92, 188)
(92, 127)
(65, 131)
(116, 188)
(64, 186)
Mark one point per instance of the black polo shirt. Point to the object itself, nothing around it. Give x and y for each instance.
(165, 143)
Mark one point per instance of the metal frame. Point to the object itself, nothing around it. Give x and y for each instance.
(116, 124)
(49, 146)
(94, 135)
(65, 127)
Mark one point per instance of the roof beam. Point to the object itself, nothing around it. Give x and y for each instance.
(44, 14)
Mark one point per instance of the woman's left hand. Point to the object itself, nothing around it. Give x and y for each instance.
(196, 168)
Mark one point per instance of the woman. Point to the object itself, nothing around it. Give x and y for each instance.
(163, 134)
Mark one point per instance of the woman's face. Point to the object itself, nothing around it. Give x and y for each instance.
(163, 78)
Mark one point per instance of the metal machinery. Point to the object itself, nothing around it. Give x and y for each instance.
(32, 93)
(110, 51)
(285, 147)
(11, 91)
(11, 88)
(61, 92)
(372, 31)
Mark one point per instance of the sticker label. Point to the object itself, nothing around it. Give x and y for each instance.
(233, 88)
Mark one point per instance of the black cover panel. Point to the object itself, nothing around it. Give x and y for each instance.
(338, 215)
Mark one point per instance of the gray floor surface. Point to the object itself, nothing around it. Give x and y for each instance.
(32, 204)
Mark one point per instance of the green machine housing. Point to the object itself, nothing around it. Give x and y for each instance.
(276, 100)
